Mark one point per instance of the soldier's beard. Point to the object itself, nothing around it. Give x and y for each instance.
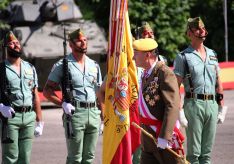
(81, 50)
(13, 53)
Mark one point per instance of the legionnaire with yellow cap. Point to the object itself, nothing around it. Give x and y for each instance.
(85, 117)
(200, 107)
(159, 104)
(19, 104)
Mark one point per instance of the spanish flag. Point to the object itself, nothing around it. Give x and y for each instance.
(227, 69)
(120, 139)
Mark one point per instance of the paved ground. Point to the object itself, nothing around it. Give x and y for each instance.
(51, 148)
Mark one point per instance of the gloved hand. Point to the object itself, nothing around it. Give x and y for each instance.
(38, 129)
(101, 128)
(182, 118)
(162, 143)
(68, 108)
(6, 111)
(222, 114)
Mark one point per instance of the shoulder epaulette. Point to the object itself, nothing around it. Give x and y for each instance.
(214, 53)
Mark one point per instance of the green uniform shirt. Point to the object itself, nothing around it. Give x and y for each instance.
(84, 83)
(204, 74)
(21, 85)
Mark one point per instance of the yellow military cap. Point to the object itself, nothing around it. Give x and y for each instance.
(145, 45)
(75, 34)
(195, 23)
(10, 37)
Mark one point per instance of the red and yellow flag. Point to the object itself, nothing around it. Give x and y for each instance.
(120, 139)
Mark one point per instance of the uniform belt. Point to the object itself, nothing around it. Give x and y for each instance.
(81, 104)
(200, 96)
(22, 109)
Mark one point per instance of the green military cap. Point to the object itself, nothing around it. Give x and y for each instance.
(75, 34)
(145, 45)
(145, 27)
(10, 37)
(195, 23)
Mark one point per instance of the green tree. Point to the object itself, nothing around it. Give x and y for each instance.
(212, 14)
(3, 4)
(98, 10)
(168, 19)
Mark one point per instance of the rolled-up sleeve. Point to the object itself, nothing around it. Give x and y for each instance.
(99, 77)
(35, 77)
(56, 73)
(179, 66)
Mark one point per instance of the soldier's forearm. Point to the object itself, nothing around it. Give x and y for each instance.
(102, 106)
(51, 96)
(37, 106)
(219, 88)
(49, 93)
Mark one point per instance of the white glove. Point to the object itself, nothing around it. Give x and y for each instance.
(68, 108)
(101, 129)
(38, 129)
(162, 143)
(182, 118)
(222, 114)
(6, 111)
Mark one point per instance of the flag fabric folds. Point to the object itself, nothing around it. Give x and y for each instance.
(120, 139)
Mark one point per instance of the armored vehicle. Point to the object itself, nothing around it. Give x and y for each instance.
(40, 24)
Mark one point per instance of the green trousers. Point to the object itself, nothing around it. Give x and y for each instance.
(202, 121)
(85, 125)
(21, 131)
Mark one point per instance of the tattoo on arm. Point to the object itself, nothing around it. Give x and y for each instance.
(51, 86)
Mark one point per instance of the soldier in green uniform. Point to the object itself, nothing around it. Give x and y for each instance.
(24, 104)
(201, 109)
(86, 79)
(159, 104)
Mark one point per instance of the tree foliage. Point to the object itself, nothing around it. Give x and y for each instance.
(98, 10)
(3, 4)
(169, 26)
(168, 19)
(212, 13)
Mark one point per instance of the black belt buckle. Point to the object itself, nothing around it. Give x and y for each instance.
(87, 105)
(191, 95)
(26, 109)
(23, 109)
(83, 104)
(205, 97)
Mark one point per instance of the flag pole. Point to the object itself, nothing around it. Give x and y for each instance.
(155, 141)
